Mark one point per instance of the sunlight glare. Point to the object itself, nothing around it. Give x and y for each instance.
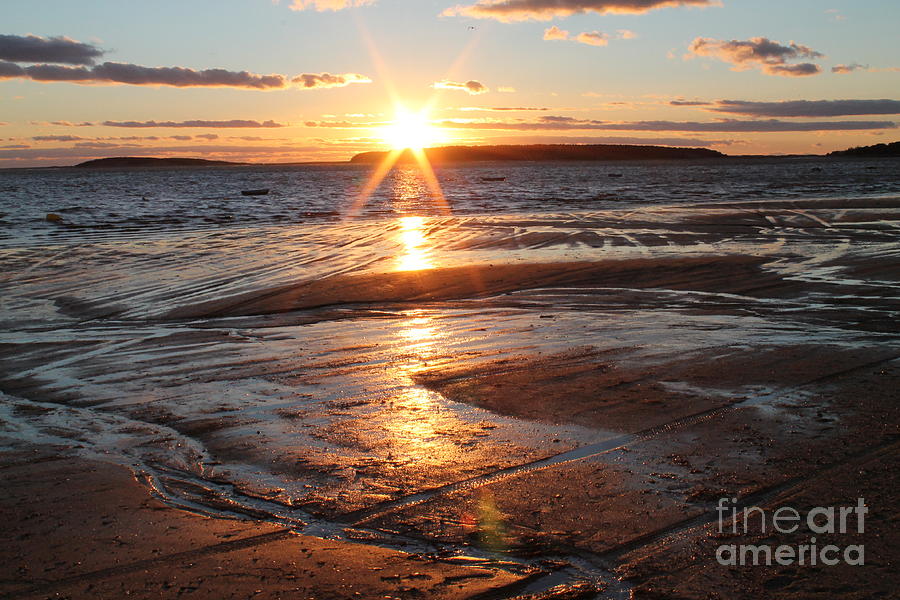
(410, 130)
(416, 253)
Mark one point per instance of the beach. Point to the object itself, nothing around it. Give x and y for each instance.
(476, 403)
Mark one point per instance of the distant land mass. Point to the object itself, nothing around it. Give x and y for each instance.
(140, 161)
(532, 152)
(545, 152)
(892, 149)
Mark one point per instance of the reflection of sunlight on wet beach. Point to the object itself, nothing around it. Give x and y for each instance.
(417, 418)
(420, 336)
(416, 254)
(421, 340)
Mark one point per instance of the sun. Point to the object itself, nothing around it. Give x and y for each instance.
(410, 130)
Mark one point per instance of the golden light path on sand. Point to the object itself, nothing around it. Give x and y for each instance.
(416, 253)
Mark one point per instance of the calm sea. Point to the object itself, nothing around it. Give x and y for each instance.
(109, 204)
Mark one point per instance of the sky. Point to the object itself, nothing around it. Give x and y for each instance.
(310, 80)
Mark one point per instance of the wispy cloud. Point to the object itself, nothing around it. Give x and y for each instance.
(845, 69)
(98, 150)
(561, 123)
(770, 56)
(807, 108)
(62, 124)
(502, 108)
(56, 138)
(544, 10)
(119, 140)
(565, 123)
(195, 123)
(473, 87)
(327, 80)
(689, 103)
(592, 38)
(323, 5)
(36, 49)
(653, 141)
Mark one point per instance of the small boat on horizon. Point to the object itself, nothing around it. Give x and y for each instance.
(262, 192)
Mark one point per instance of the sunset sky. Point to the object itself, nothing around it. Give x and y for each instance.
(304, 80)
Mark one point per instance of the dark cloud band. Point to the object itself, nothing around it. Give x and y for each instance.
(807, 108)
(36, 49)
(234, 123)
(730, 126)
(125, 73)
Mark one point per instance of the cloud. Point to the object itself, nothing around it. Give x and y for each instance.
(654, 141)
(845, 69)
(255, 138)
(10, 70)
(120, 139)
(808, 108)
(322, 5)
(502, 108)
(544, 10)
(473, 87)
(769, 56)
(110, 72)
(561, 123)
(592, 38)
(56, 138)
(798, 70)
(555, 33)
(63, 123)
(343, 124)
(92, 150)
(327, 80)
(689, 103)
(125, 73)
(36, 49)
(194, 123)
(104, 145)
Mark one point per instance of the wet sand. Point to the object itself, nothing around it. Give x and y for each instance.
(84, 529)
(568, 393)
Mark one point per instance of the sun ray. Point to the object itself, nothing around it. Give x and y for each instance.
(409, 132)
(431, 180)
(375, 179)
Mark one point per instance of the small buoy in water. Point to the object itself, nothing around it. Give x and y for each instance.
(53, 218)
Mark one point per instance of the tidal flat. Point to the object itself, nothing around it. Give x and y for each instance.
(541, 405)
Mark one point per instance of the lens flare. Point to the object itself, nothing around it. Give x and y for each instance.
(410, 130)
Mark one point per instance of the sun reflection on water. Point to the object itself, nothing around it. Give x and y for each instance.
(416, 252)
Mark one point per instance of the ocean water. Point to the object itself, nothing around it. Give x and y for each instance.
(122, 203)
(271, 356)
